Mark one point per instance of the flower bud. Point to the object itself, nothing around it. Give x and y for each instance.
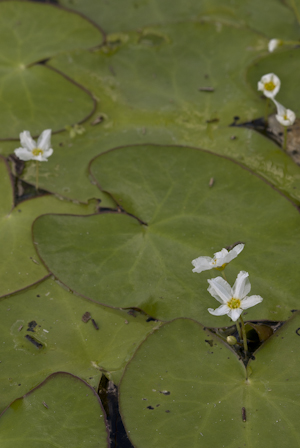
(231, 340)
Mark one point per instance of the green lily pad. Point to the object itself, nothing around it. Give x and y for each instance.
(125, 263)
(32, 96)
(270, 17)
(63, 412)
(43, 332)
(168, 77)
(200, 396)
(20, 265)
(134, 107)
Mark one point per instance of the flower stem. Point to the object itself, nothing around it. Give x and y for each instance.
(224, 276)
(266, 112)
(244, 336)
(238, 330)
(284, 138)
(37, 175)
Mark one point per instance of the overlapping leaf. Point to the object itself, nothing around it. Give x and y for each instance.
(141, 102)
(42, 332)
(63, 411)
(200, 396)
(123, 263)
(20, 266)
(34, 97)
(136, 14)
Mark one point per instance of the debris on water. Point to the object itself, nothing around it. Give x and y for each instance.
(33, 341)
(86, 317)
(95, 324)
(31, 326)
(206, 89)
(211, 182)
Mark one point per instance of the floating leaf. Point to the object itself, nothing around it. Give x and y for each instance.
(135, 14)
(124, 263)
(32, 96)
(63, 412)
(43, 331)
(198, 394)
(20, 265)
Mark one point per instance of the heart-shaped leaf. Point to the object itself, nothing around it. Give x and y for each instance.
(184, 386)
(124, 263)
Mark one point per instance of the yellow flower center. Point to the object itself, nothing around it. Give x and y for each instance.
(37, 151)
(234, 303)
(270, 86)
(220, 268)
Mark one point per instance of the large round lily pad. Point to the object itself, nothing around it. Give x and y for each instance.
(117, 260)
(63, 412)
(198, 394)
(43, 332)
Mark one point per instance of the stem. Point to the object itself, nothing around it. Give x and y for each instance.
(37, 175)
(224, 276)
(238, 330)
(284, 138)
(244, 336)
(266, 112)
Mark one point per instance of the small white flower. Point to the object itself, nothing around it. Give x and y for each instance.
(220, 260)
(269, 85)
(234, 300)
(31, 150)
(286, 117)
(273, 44)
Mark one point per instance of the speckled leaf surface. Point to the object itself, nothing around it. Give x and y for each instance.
(32, 96)
(128, 264)
(43, 332)
(204, 390)
(63, 412)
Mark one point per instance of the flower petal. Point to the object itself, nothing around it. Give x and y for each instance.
(48, 153)
(233, 253)
(223, 309)
(44, 141)
(241, 286)
(27, 141)
(248, 302)
(23, 154)
(220, 289)
(235, 314)
(202, 264)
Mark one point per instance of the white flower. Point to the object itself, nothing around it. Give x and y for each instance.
(273, 44)
(269, 85)
(286, 117)
(234, 300)
(31, 150)
(220, 260)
